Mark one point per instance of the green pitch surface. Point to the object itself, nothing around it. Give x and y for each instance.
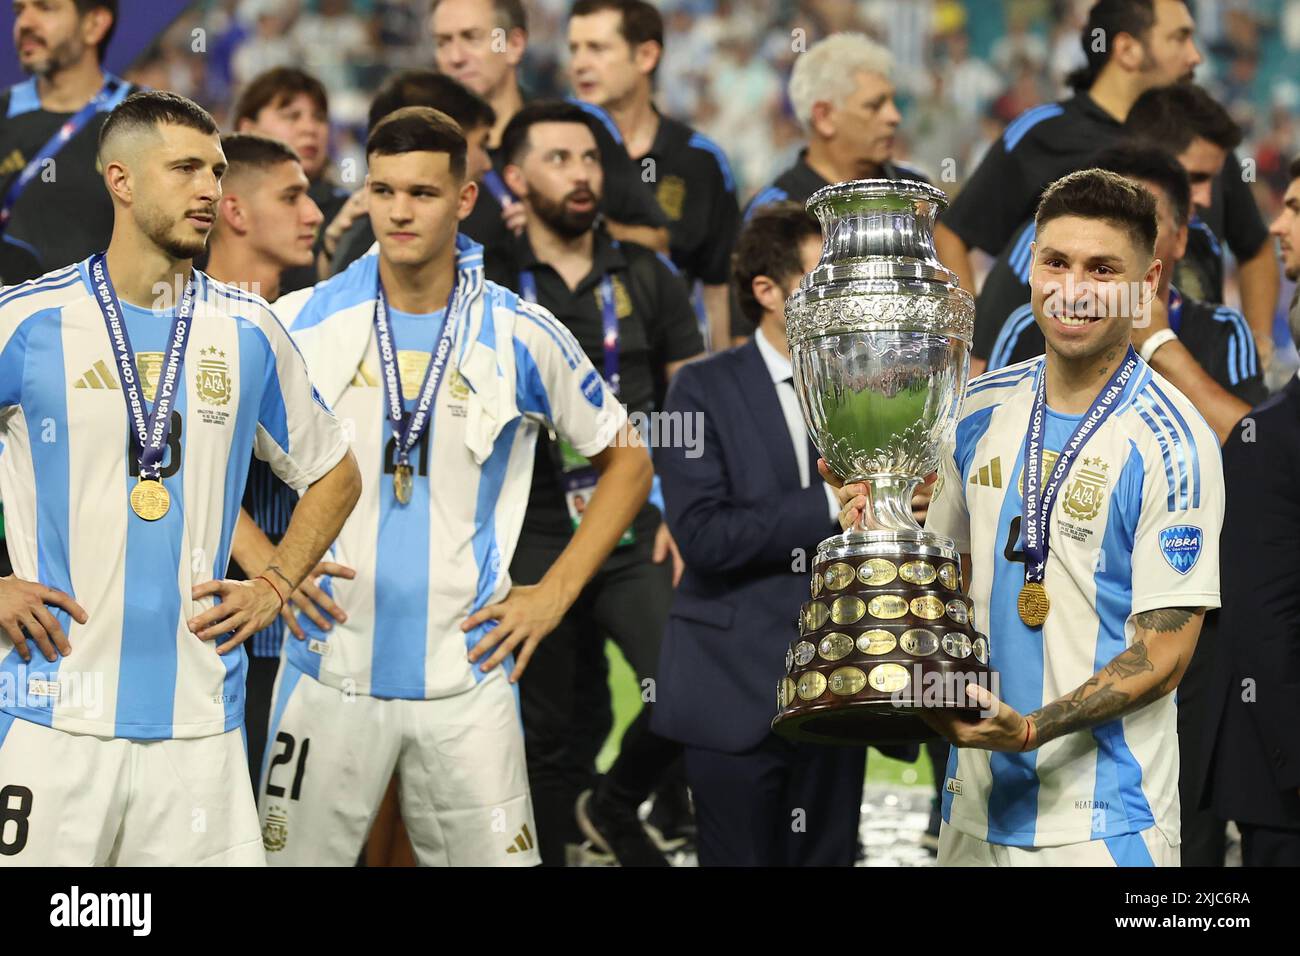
(626, 695)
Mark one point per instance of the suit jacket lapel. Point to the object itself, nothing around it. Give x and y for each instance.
(759, 394)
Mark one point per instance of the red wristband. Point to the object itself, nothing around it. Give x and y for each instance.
(263, 577)
(1028, 724)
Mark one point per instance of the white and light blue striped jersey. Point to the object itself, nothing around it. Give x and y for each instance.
(135, 670)
(1135, 527)
(423, 567)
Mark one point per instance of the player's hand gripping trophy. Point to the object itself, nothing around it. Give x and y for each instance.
(880, 338)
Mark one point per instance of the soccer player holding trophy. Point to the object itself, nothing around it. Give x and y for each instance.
(1086, 493)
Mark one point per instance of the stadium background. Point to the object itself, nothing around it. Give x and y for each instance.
(964, 69)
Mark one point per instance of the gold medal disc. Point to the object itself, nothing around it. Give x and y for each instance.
(403, 483)
(1033, 604)
(149, 499)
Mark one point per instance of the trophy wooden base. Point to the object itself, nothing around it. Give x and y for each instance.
(888, 632)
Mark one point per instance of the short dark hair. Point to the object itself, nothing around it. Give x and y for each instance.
(153, 108)
(251, 151)
(510, 14)
(426, 88)
(419, 129)
(1100, 194)
(1293, 171)
(639, 22)
(1106, 20)
(1173, 116)
(85, 6)
(768, 245)
(1155, 165)
(514, 138)
(276, 87)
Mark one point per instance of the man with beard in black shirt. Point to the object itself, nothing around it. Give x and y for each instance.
(481, 43)
(630, 314)
(54, 209)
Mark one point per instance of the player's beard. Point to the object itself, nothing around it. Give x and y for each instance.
(60, 57)
(559, 218)
(162, 230)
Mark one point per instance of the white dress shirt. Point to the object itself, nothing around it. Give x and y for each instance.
(778, 366)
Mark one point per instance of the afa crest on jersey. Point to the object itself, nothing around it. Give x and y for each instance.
(1181, 546)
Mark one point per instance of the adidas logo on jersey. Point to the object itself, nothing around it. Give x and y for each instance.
(990, 475)
(523, 841)
(97, 377)
(100, 375)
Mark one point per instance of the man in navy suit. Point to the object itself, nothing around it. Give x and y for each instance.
(1250, 769)
(748, 508)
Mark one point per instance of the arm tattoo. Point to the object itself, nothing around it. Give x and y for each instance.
(1094, 703)
(1166, 619)
(1132, 662)
(275, 568)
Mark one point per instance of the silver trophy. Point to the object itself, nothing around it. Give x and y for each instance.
(880, 337)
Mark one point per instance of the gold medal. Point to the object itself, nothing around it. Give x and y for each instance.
(149, 499)
(949, 577)
(403, 484)
(1033, 604)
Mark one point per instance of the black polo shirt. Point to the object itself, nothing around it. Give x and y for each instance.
(1038, 147)
(695, 189)
(1199, 274)
(656, 327)
(1045, 143)
(64, 217)
(1217, 336)
(800, 181)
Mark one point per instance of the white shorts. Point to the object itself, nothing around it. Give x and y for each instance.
(1148, 848)
(78, 800)
(463, 783)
